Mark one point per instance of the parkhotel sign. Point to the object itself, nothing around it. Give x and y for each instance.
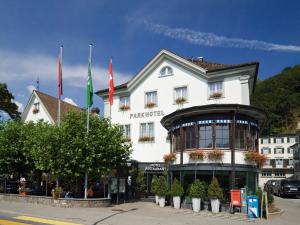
(146, 114)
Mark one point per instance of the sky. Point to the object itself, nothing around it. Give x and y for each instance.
(132, 32)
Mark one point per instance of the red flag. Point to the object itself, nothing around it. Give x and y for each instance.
(60, 91)
(111, 83)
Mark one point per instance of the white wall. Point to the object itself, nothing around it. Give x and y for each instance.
(36, 117)
(198, 94)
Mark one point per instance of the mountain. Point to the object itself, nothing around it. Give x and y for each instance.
(279, 96)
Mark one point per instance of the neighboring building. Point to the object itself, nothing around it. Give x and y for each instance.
(43, 107)
(169, 83)
(296, 157)
(279, 151)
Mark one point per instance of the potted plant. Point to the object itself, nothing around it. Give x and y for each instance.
(35, 110)
(154, 188)
(197, 155)
(124, 107)
(215, 193)
(162, 190)
(150, 105)
(169, 158)
(197, 191)
(146, 139)
(216, 95)
(215, 155)
(176, 191)
(252, 156)
(180, 100)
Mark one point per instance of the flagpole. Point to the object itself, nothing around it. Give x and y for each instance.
(87, 129)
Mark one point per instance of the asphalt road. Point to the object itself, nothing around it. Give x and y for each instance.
(139, 213)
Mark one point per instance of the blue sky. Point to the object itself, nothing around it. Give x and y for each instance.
(132, 32)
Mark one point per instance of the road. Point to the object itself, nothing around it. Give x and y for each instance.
(138, 213)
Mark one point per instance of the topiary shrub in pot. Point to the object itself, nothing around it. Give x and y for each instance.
(197, 191)
(162, 190)
(176, 191)
(154, 188)
(215, 193)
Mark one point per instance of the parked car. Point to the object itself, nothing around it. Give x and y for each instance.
(276, 187)
(289, 187)
(269, 186)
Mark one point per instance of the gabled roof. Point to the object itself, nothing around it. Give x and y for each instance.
(51, 105)
(203, 67)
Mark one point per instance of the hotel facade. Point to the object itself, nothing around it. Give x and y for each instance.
(174, 104)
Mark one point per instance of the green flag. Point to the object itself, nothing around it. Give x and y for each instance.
(89, 88)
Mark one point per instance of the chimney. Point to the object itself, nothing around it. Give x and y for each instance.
(200, 58)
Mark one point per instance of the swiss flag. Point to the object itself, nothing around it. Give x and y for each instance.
(111, 83)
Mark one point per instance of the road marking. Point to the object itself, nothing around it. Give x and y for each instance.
(8, 222)
(41, 220)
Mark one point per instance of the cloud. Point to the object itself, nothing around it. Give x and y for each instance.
(69, 100)
(20, 105)
(22, 67)
(30, 88)
(210, 39)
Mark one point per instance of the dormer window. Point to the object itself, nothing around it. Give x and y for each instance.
(36, 107)
(166, 71)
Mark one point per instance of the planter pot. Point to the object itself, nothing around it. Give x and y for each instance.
(156, 199)
(162, 201)
(176, 202)
(215, 205)
(196, 204)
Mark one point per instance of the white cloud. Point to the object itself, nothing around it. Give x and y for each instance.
(20, 105)
(17, 67)
(210, 39)
(30, 88)
(69, 100)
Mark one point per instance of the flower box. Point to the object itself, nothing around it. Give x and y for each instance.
(124, 107)
(197, 155)
(252, 156)
(35, 110)
(169, 158)
(146, 139)
(216, 95)
(215, 155)
(180, 101)
(150, 105)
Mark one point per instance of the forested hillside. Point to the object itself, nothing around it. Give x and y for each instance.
(279, 95)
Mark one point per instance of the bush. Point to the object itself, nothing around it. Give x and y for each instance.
(154, 185)
(176, 188)
(269, 195)
(57, 192)
(162, 186)
(214, 190)
(197, 189)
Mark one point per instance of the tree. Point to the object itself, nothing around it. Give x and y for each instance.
(6, 102)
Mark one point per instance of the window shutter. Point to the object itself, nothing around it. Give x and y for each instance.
(272, 162)
(269, 150)
(285, 162)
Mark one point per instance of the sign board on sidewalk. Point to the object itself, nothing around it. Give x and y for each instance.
(252, 207)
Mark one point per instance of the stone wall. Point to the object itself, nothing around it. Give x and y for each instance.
(61, 202)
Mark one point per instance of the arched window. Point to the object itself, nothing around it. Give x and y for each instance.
(166, 71)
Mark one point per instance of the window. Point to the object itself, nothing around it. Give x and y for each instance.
(205, 137)
(36, 107)
(190, 141)
(166, 71)
(279, 162)
(180, 95)
(176, 141)
(266, 174)
(222, 136)
(289, 150)
(265, 150)
(124, 102)
(291, 140)
(279, 174)
(216, 89)
(278, 150)
(240, 137)
(151, 99)
(147, 131)
(278, 140)
(126, 131)
(268, 162)
(265, 141)
(291, 162)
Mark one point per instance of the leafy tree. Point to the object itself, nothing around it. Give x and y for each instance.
(176, 188)
(6, 102)
(279, 96)
(214, 190)
(197, 189)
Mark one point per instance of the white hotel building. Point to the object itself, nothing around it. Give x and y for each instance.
(169, 84)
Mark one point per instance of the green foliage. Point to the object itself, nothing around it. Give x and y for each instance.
(57, 192)
(162, 189)
(279, 96)
(269, 195)
(197, 189)
(154, 184)
(6, 102)
(214, 190)
(138, 181)
(176, 188)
